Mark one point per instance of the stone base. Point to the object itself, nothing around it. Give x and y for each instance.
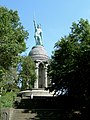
(35, 93)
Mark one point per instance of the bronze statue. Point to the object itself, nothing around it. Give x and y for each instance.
(38, 33)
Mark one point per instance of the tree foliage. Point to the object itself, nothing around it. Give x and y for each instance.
(12, 42)
(70, 65)
(12, 36)
(27, 74)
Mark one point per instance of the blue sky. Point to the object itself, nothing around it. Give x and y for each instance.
(55, 17)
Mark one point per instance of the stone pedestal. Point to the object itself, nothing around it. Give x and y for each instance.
(35, 93)
(40, 57)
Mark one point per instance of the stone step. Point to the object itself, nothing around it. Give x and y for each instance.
(36, 114)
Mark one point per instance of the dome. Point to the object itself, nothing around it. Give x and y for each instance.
(39, 53)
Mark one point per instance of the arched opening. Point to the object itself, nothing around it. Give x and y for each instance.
(41, 77)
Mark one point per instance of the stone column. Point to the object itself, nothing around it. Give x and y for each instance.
(46, 84)
(36, 82)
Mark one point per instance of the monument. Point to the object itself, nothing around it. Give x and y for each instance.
(41, 59)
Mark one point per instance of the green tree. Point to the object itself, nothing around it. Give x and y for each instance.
(27, 74)
(12, 36)
(12, 41)
(10, 80)
(70, 65)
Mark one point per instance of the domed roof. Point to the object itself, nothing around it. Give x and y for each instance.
(38, 53)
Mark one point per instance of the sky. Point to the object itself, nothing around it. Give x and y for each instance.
(55, 17)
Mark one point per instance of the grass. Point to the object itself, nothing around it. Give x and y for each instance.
(6, 99)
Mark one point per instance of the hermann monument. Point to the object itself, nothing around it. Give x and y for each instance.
(41, 60)
(40, 57)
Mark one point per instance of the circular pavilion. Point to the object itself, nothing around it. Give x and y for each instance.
(41, 59)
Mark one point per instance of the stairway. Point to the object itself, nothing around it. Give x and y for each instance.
(40, 108)
(36, 114)
(21, 114)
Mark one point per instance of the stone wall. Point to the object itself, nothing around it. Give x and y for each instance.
(6, 113)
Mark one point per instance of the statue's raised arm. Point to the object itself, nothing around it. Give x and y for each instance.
(38, 33)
